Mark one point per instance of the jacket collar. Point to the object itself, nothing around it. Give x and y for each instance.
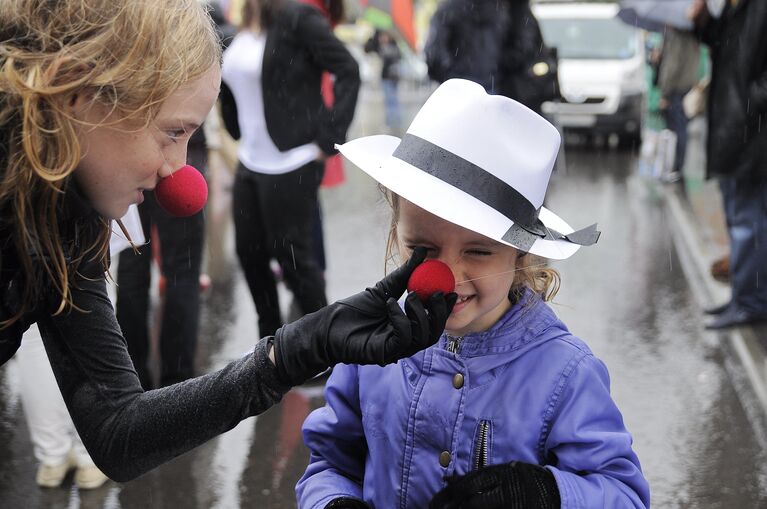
(519, 328)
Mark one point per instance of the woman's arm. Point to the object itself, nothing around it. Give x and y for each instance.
(128, 431)
(330, 55)
(337, 443)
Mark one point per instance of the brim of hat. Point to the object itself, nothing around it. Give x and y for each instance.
(373, 155)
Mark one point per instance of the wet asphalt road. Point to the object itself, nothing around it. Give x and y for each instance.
(627, 297)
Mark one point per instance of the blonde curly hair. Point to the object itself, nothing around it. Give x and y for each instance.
(530, 271)
(130, 55)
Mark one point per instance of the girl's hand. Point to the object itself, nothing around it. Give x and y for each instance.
(347, 503)
(514, 485)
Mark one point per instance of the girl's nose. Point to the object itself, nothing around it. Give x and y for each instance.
(454, 263)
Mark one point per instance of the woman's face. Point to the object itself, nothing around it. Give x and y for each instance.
(119, 162)
(483, 268)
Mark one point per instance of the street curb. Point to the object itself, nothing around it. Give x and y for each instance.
(746, 358)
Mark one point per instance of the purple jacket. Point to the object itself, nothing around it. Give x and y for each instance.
(524, 390)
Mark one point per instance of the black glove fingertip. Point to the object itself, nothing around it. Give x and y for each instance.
(419, 320)
(411, 298)
(451, 298)
(417, 257)
(395, 284)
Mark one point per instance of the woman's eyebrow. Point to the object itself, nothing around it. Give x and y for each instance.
(189, 126)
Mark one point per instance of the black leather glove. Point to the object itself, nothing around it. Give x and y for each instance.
(514, 485)
(367, 328)
(347, 503)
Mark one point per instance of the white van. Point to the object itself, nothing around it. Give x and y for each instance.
(602, 68)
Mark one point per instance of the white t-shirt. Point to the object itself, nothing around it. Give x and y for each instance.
(241, 71)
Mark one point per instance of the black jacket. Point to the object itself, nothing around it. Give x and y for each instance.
(522, 46)
(737, 102)
(300, 45)
(465, 41)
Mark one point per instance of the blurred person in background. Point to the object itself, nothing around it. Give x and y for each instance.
(465, 40)
(493, 43)
(56, 445)
(271, 101)
(334, 12)
(523, 47)
(383, 43)
(735, 149)
(677, 74)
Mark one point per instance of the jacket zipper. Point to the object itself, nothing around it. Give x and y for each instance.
(454, 343)
(480, 460)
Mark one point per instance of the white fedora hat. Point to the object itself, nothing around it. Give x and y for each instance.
(480, 161)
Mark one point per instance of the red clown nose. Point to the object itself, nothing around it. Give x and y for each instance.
(429, 277)
(183, 193)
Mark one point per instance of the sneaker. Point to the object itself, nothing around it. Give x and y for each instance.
(89, 477)
(51, 476)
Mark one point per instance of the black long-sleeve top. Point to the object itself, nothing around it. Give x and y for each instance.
(128, 431)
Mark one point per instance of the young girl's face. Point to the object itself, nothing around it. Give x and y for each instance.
(119, 163)
(471, 256)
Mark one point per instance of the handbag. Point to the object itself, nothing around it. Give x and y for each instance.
(694, 101)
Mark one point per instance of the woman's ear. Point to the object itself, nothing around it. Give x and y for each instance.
(78, 103)
(64, 72)
(85, 108)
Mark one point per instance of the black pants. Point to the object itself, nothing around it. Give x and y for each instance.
(273, 219)
(181, 243)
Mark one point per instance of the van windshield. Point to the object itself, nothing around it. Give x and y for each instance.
(590, 38)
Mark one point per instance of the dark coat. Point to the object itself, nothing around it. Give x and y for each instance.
(737, 102)
(465, 41)
(522, 46)
(300, 45)
(491, 42)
